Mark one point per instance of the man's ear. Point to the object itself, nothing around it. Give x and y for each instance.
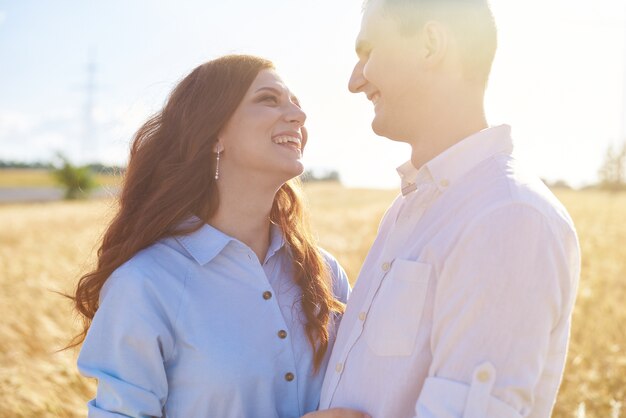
(435, 38)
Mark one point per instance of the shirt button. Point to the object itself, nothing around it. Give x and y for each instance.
(267, 295)
(444, 183)
(339, 367)
(362, 316)
(483, 376)
(385, 266)
(282, 334)
(289, 377)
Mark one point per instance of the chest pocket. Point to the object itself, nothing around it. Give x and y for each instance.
(394, 317)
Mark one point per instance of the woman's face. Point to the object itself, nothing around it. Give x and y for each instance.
(265, 136)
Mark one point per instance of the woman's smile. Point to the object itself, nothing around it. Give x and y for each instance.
(289, 141)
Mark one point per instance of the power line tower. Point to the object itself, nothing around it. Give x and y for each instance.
(623, 121)
(89, 141)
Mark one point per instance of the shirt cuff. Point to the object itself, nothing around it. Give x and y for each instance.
(443, 398)
(94, 412)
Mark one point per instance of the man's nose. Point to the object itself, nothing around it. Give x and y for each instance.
(357, 80)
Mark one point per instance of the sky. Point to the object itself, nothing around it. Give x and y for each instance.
(558, 77)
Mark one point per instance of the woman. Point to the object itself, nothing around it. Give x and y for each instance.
(210, 297)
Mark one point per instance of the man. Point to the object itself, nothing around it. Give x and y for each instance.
(463, 305)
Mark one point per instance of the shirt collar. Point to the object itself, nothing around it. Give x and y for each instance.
(207, 242)
(277, 241)
(411, 178)
(452, 164)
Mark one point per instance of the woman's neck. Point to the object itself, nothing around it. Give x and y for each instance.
(244, 213)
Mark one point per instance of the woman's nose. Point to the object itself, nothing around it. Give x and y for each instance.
(296, 114)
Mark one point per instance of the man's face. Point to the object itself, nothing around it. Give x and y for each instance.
(390, 73)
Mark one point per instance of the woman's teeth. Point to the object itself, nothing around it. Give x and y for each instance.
(286, 139)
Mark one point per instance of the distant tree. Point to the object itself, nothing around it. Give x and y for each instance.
(100, 168)
(560, 184)
(613, 170)
(314, 175)
(557, 184)
(25, 165)
(77, 180)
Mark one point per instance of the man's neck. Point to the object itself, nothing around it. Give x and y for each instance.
(438, 140)
(456, 114)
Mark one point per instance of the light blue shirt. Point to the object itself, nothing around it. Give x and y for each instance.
(196, 326)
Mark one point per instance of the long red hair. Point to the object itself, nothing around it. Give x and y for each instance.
(170, 177)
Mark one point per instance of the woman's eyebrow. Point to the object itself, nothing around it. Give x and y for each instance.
(273, 89)
(279, 92)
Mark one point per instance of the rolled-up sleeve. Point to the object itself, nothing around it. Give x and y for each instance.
(126, 348)
(503, 290)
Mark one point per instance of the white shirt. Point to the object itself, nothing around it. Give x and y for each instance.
(463, 305)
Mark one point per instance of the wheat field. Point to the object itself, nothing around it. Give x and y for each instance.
(20, 177)
(44, 247)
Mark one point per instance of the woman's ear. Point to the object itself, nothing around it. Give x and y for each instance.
(218, 147)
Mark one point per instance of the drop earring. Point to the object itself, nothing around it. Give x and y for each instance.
(217, 166)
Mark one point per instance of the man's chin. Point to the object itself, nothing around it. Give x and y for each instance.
(382, 129)
(378, 126)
